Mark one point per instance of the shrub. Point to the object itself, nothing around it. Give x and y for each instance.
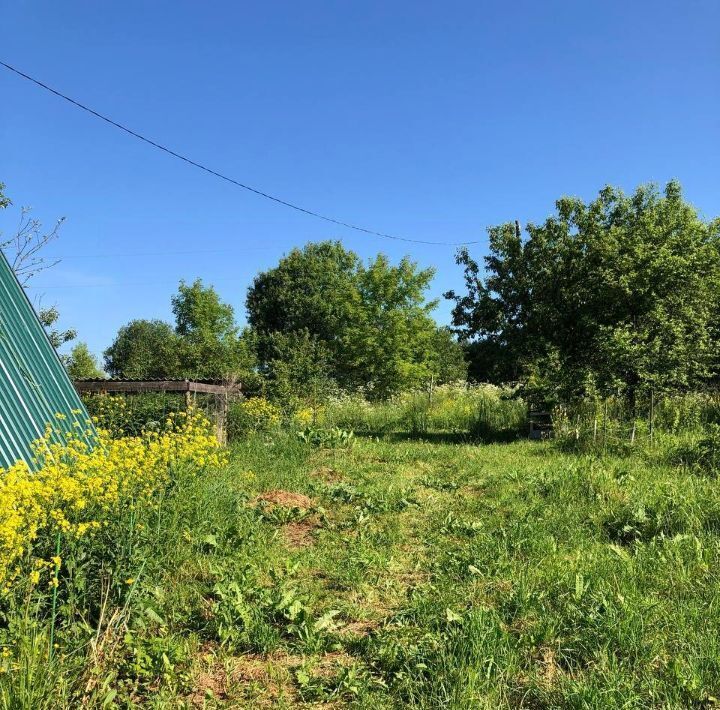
(252, 415)
(78, 486)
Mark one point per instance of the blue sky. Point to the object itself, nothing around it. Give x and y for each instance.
(428, 120)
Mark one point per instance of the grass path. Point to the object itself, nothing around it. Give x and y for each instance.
(411, 574)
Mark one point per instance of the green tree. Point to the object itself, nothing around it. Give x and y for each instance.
(389, 344)
(81, 364)
(298, 369)
(617, 295)
(312, 289)
(211, 346)
(144, 349)
(49, 318)
(372, 320)
(448, 362)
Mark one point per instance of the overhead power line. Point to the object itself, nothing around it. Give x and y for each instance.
(217, 174)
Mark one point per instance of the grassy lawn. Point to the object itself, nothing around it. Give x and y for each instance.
(399, 573)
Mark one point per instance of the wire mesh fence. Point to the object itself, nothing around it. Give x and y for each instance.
(618, 422)
(126, 414)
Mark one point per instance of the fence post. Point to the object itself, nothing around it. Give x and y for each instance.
(605, 426)
(595, 425)
(652, 416)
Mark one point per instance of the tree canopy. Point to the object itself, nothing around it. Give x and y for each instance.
(620, 294)
(204, 343)
(210, 344)
(144, 349)
(81, 364)
(371, 322)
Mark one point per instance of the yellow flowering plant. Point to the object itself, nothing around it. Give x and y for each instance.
(252, 415)
(78, 485)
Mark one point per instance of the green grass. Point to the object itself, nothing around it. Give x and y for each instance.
(415, 574)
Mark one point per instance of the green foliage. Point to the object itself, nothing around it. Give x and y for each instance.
(619, 294)
(503, 419)
(331, 438)
(484, 412)
(298, 369)
(210, 345)
(252, 415)
(449, 362)
(144, 349)
(5, 201)
(311, 290)
(204, 344)
(199, 313)
(389, 342)
(361, 326)
(81, 364)
(437, 575)
(49, 318)
(700, 453)
(681, 422)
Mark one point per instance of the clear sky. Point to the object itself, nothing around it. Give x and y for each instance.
(430, 120)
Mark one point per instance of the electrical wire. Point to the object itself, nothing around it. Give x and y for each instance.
(217, 174)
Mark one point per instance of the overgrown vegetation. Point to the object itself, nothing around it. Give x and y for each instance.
(383, 534)
(391, 572)
(618, 295)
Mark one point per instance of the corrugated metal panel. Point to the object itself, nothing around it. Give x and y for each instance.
(34, 386)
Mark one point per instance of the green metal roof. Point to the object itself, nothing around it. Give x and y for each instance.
(34, 386)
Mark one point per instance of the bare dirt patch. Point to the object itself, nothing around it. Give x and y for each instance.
(285, 499)
(294, 513)
(549, 667)
(329, 663)
(299, 534)
(251, 680)
(212, 682)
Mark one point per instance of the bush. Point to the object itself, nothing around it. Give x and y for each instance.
(252, 415)
(134, 414)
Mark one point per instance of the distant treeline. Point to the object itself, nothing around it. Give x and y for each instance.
(616, 297)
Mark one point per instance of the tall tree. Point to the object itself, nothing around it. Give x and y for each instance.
(211, 345)
(144, 349)
(205, 342)
(312, 289)
(81, 364)
(389, 344)
(371, 320)
(617, 295)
